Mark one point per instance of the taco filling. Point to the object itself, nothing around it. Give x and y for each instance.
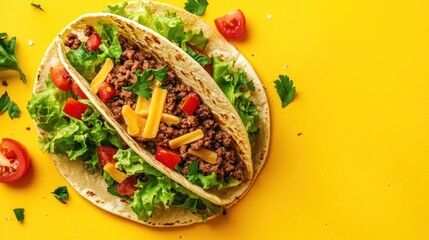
(160, 112)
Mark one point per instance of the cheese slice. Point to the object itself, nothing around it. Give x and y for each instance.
(165, 118)
(115, 173)
(187, 138)
(135, 123)
(142, 104)
(155, 111)
(101, 76)
(204, 154)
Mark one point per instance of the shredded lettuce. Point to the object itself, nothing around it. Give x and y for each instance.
(159, 189)
(237, 89)
(168, 25)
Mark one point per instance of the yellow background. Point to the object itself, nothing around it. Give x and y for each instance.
(349, 157)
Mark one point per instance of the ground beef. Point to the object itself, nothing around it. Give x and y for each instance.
(88, 30)
(72, 41)
(215, 139)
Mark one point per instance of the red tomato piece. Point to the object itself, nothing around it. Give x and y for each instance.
(106, 91)
(167, 157)
(74, 108)
(76, 89)
(93, 42)
(231, 25)
(127, 187)
(209, 69)
(191, 103)
(60, 77)
(14, 160)
(105, 155)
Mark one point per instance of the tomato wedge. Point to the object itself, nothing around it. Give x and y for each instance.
(60, 77)
(191, 103)
(14, 160)
(74, 108)
(127, 187)
(76, 89)
(231, 25)
(93, 42)
(167, 157)
(106, 91)
(105, 155)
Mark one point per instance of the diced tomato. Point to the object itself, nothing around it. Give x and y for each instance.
(127, 187)
(74, 108)
(105, 155)
(231, 25)
(167, 157)
(106, 91)
(93, 42)
(191, 103)
(76, 89)
(14, 160)
(60, 77)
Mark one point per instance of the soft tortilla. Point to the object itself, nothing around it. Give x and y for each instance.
(191, 74)
(92, 186)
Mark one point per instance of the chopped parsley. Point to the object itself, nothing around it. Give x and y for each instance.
(285, 89)
(197, 7)
(61, 194)
(38, 6)
(145, 80)
(7, 104)
(8, 60)
(19, 214)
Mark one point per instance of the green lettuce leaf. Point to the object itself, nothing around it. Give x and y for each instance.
(158, 189)
(86, 63)
(237, 89)
(168, 25)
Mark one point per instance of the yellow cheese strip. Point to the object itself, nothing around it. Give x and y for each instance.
(135, 123)
(165, 118)
(115, 173)
(187, 138)
(204, 154)
(142, 104)
(101, 76)
(155, 111)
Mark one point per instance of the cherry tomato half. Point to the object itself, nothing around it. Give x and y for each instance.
(93, 42)
(106, 91)
(14, 160)
(191, 103)
(105, 155)
(74, 108)
(231, 25)
(167, 157)
(61, 78)
(76, 89)
(127, 187)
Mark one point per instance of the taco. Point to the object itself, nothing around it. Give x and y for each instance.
(165, 107)
(226, 64)
(157, 194)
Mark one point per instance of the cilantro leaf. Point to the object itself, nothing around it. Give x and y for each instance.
(7, 104)
(285, 89)
(8, 59)
(14, 110)
(197, 7)
(19, 214)
(38, 6)
(61, 194)
(142, 86)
